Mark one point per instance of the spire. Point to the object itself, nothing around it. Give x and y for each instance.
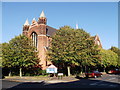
(33, 21)
(96, 36)
(26, 22)
(42, 14)
(76, 26)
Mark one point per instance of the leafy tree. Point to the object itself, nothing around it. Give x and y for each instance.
(21, 53)
(7, 56)
(0, 55)
(115, 49)
(108, 58)
(1, 61)
(73, 47)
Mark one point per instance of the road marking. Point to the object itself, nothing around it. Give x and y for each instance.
(111, 79)
(113, 85)
(96, 83)
(102, 84)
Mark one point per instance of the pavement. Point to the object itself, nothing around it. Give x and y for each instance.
(40, 79)
(106, 81)
(46, 79)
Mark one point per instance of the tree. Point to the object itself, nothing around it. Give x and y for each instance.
(21, 53)
(117, 51)
(7, 56)
(108, 58)
(72, 47)
(0, 55)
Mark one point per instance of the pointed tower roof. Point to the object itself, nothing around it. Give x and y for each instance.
(34, 19)
(42, 14)
(76, 26)
(26, 22)
(34, 23)
(96, 36)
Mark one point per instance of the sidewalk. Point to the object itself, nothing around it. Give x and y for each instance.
(46, 79)
(64, 79)
(40, 79)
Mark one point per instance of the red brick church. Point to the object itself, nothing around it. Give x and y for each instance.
(41, 34)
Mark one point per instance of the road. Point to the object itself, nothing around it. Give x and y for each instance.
(107, 81)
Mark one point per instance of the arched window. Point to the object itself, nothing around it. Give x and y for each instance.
(34, 38)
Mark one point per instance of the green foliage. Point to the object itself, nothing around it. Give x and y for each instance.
(24, 54)
(108, 58)
(115, 49)
(19, 52)
(73, 47)
(7, 56)
(0, 55)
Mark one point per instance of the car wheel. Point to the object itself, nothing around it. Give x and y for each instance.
(100, 75)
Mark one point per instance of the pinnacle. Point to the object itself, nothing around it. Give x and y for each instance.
(34, 19)
(42, 14)
(26, 22)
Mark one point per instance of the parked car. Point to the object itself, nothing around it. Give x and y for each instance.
(114, 71)
(94, 74)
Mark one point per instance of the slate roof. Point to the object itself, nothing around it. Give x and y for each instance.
(50, 31)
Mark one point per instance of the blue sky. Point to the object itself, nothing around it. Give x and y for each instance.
(94, 17)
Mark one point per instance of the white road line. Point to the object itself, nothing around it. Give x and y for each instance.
(102, 84)
(96, 83)
(111, 79)
(113, 85)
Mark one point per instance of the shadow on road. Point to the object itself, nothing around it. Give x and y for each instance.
(82, 83)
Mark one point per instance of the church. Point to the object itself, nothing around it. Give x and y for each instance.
(41, 34)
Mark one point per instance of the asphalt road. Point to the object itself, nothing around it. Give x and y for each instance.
(107, 81)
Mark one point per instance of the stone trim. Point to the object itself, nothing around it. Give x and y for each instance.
(41, 35)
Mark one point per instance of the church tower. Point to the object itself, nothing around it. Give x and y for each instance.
(40, 34)
(42, 39)
(42, 21)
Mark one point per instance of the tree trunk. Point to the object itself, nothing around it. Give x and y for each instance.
(68, 68)
(81, 71)
(85, 69)
(20, 72)
(10, 73)
(104, 69)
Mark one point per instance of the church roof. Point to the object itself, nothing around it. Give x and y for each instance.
(42, 14)
(50, 31)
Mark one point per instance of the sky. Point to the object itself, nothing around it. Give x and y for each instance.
(94, 17)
